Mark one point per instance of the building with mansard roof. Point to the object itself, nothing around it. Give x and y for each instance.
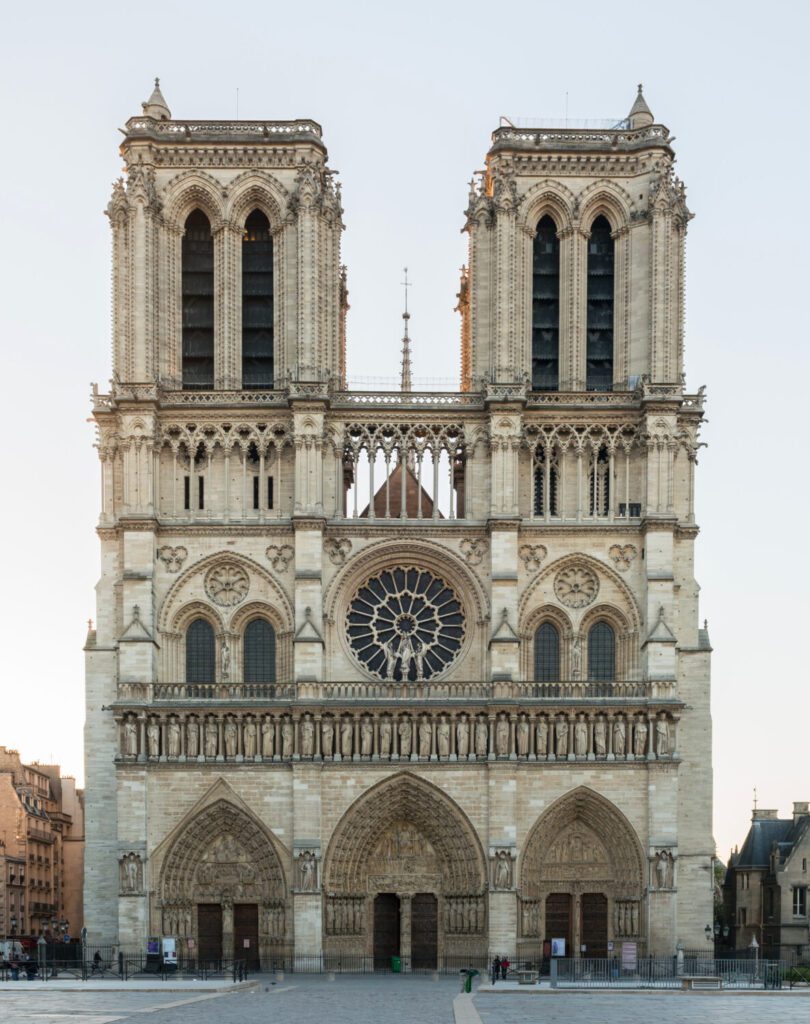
(397, 673)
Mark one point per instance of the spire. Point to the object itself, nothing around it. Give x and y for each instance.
(406, 384)
(640, 115)
(156, 106)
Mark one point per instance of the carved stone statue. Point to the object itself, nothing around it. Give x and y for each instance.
(131, 871)
(541, 736)
(481, 737)
(664, 870)
(581, 736)
(640, 738)
(192, 737)
(576, 656)
(366, 737)
(406, 653)
(600, 737)
(463, 737)
(173, 738)
(229, 734)
(307, 736)
(385, 736)
(425, 736)
(211, 738)
(131, 737)
(522, 736)
(153, 737)
(346, 731)
(662, 736)
(502, 736)
(404, 731)
(561, 735)
(249, 738)
(268, 736)
(287, 738)
(503, 870)
(226, 661)
(308, 867)
(443, 738)
(328, 737)
(390, 659)
(619, 737)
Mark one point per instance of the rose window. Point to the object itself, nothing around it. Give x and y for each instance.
(227, 584)
(405, 625)
(576, 587)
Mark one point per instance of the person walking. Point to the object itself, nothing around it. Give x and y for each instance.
(504, 967)
(496, 967)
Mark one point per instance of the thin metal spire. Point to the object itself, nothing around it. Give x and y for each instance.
(406, 383)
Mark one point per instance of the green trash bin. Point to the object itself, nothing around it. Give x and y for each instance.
(468, 982)
(396, 964)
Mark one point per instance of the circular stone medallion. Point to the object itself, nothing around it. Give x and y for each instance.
(576, 587)
(227, 584)
(405, 625)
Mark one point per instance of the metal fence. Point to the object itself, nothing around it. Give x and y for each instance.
(124, 968)
(667, 972)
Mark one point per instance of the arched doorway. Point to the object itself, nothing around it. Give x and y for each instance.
(222, 891)
(405, 875)
(581, 879)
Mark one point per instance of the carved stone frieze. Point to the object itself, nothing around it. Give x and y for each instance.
(338, 549)
(172, 558)
(130, 869)
(280, 556)
(473, 550)
(532, 556)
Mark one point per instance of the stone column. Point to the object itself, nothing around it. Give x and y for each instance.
(405, 925)
(227, 929)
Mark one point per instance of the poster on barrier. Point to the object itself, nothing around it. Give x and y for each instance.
(558, 947)
(629, 956)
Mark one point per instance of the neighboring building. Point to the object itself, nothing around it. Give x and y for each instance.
(766, 885)
(41, 849)
(403, 672)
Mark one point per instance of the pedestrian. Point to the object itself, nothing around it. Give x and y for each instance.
(504, 967)
(496, 967)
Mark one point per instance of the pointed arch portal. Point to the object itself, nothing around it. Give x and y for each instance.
(581, 877)
(405, 875)
(222, 885)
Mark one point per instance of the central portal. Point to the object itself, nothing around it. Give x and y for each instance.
(386, 929)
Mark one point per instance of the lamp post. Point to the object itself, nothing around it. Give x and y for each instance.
(41, 944)
(755, 949)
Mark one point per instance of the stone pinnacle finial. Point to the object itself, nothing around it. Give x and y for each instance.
(156, 105)
(640, 115)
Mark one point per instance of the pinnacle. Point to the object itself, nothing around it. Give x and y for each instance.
(640, 114)
(156, 105)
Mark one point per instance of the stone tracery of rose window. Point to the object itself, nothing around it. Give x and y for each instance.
(405, 624)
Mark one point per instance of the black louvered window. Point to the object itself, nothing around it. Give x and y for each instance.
(546, 654)
(601, 652)
(200, 652)
(260, 652)
(198, 304)
(257, 303)
(546, 307)
(599, 355)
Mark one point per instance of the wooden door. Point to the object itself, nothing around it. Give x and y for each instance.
(246, 930)
(209, 929)
(558, 919)
(386, 929)
(424, 931)
(594, 926)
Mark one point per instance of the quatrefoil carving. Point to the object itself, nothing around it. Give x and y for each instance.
(622, 555)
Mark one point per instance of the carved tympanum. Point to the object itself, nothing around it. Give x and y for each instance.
(576, 586)
(227, 584)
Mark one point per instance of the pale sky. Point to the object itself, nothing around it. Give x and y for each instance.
(408, 98)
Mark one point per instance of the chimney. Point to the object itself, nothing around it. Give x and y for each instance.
(801, 808)
(764, 814)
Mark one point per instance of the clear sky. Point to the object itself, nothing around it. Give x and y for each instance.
(408, 96)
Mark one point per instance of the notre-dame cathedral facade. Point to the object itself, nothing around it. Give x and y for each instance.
(402, 673)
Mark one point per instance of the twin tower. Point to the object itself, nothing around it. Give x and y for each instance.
(408, 674)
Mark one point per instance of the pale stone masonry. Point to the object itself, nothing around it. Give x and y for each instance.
(403, 673)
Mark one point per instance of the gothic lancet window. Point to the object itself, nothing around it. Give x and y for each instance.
(545, 483)
(599, 355)
(601, 653)
(198, 303)
(200, 652)
(546, 654)
(600, 483)
(546, 307)
(257, 303)
(260, 652)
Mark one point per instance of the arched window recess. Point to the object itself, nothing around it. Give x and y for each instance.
(259, 652)
(200, 652)
(601, 652)
(599, 347)
(257, 303)
(198, 303)
(546, 307)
